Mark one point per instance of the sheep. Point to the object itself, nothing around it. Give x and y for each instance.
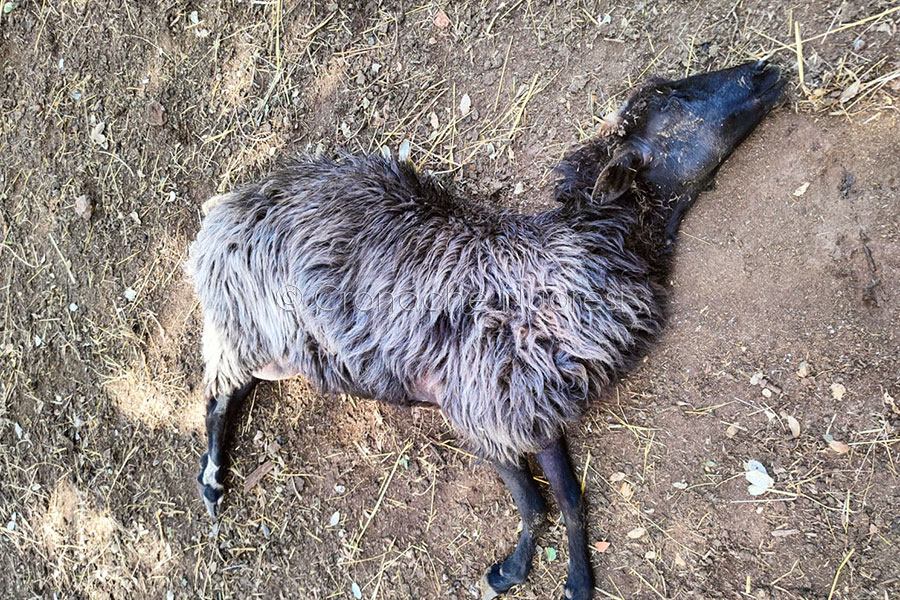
(371, 279)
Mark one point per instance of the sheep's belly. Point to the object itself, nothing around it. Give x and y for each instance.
(275, 371)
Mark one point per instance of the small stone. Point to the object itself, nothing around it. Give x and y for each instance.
(803, 369)
(577, 84)
(794, 426)
(156, 114)
(636, 533)
(441, 20)
(84, 208)
(838, 391)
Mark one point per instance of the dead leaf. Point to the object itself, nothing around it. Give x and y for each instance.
(256, 476)
(637, 532)
(794, 426)
(97, 136)
(889, 400)
(441, 20)
(626, 490)
(759, 478)
(839, 447)
(784, 532)
(601, 546)
(850, 92)
(802, 189)
(465, 105)
(617, 477)
(731, 431)
(838, 391)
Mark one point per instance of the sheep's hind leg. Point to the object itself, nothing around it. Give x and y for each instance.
(219, 413)
(554, 460)
(502, 576)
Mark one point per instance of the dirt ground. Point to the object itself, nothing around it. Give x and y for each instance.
(118, 121)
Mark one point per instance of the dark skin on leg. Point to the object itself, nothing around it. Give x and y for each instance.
(220, 412)
(679, 210)
(502, 576)
(554, 460)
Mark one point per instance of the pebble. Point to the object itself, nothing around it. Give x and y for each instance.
(156, 114)
(84, 208)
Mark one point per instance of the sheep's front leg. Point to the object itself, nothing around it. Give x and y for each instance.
(219, 413)
(502, 576)
(554, 460)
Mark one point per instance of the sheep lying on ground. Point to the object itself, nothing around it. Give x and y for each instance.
(368, 278)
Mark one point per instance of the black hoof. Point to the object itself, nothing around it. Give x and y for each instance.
(210, 478)
(498, 581)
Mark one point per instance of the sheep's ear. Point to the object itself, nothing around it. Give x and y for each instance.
(618, 175)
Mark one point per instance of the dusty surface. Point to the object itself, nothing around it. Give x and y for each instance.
(119, 121)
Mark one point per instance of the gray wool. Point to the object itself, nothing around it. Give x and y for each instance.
(368, 278)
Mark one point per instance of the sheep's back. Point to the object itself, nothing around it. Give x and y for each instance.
(369, 279)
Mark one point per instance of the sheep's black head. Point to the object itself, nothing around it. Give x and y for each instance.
(675, 134)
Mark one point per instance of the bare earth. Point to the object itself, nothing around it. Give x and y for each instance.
(117, 122)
